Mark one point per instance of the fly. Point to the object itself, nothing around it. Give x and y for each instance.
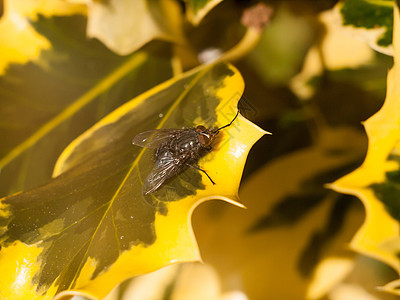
(175, 151)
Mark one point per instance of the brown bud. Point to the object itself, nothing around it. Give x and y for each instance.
(257, 16)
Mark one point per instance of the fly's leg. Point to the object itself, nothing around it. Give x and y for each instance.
(197, 168)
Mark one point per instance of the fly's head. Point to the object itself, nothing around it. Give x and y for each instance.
(207, 136)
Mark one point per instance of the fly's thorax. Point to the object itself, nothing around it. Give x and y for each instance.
(185, 142)
(187, 145)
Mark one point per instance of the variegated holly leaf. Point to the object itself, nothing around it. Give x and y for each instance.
(92, 227)
(376, 181)
(369, 20)
(48, 100)
(335, 51)
(20, 42)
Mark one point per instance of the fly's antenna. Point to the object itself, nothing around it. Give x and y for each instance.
(227, 125)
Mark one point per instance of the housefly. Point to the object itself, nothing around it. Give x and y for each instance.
(175, 151)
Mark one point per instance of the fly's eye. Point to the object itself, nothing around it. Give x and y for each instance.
(205, 140)
(200, 128)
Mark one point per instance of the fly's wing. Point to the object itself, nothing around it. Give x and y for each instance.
(154, 138)
(165, 169)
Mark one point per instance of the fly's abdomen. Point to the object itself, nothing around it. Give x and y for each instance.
(164, 156)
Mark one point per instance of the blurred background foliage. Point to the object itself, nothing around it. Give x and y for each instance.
(291, 242)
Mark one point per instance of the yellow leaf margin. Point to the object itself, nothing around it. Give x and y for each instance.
(379, 235)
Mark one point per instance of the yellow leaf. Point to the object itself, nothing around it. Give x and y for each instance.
(376, 181)
(93, 224)
(124, 25)
(19, 40)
